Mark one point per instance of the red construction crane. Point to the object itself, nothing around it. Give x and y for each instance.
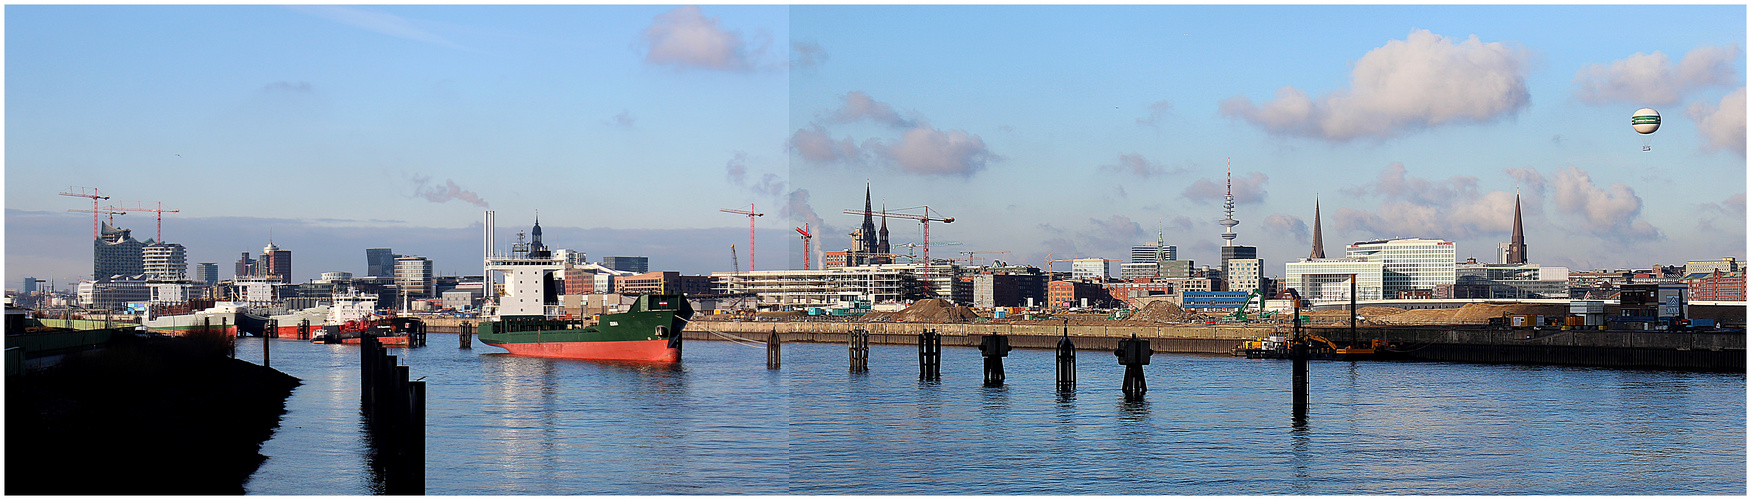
(806, 237)
(94, 197)
(751, 215)
(925, 220)
(160, 211)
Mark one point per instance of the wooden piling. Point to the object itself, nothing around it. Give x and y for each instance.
(1134, 353)
(859, 350)
(466, 336)
(929, 355)
(994, 347)
(774, 358)
(273, 325)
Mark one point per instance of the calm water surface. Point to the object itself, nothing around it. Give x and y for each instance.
(721, 423)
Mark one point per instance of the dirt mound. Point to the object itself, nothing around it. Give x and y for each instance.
(935, 311)
(1166, 312)
(1470, 314)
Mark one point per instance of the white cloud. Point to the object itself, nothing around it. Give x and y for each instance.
(685, 37)
(928, 151)
(1136, 164)
(921, 149)
(816, 146)
(381, 22)
(624, 119)
(1158, 110)
(1723, 125)
(806, 55)
(1287, 224)
(1652, 79)
(1610, 214)
(1425, 80)
(858, 105)
(1451, 208)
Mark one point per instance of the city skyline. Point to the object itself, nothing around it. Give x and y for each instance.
(1069, 131)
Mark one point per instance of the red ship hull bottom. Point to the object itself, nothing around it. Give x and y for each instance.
(651, 351)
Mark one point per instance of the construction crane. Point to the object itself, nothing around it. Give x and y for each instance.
(111, 211)
(973, 256)
(914, 245)
(922, 219)
(735, 269)
(139, 206)
(806, 237)
(751, 215)
(94, 197)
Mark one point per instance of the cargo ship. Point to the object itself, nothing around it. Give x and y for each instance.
(527, 320)
(230, 318)
(649, 331)
(348, 311)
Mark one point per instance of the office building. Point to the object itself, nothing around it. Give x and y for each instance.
(1725, 265)
(1245, 275)
(413, 275)
(206, 273)
(1717, 285)
(379, 262)
(1410, 263)
(164, 261)
(1511, 281)
(1088, 269)
(275, 263)
(1329, 279)
(628, 264)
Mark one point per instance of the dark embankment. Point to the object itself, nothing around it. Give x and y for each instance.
(142, 417)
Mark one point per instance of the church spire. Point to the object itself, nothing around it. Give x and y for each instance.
(882, 234)
(1318, 241)
(1517, 242)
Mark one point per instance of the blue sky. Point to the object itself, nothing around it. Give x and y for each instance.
(1060, 130)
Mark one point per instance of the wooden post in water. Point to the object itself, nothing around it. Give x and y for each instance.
(230, 338)
(929, 355)
(1298, 357)
(994, 347)
(859, 340)
(304, 329)
(1133, 353)
(466, 336)
(1066, 361)
(774, 358)
(416, 429)
(273, 326)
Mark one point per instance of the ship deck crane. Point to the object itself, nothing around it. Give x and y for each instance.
(94, 195)
(922, 219)
(751, 215)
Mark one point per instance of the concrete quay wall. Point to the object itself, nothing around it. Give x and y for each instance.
(1670, 350)
(1690, 351)
(1176, 339)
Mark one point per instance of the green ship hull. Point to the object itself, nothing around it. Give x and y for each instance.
(649, 332)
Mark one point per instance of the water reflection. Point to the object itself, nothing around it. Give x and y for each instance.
(1301, 460)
